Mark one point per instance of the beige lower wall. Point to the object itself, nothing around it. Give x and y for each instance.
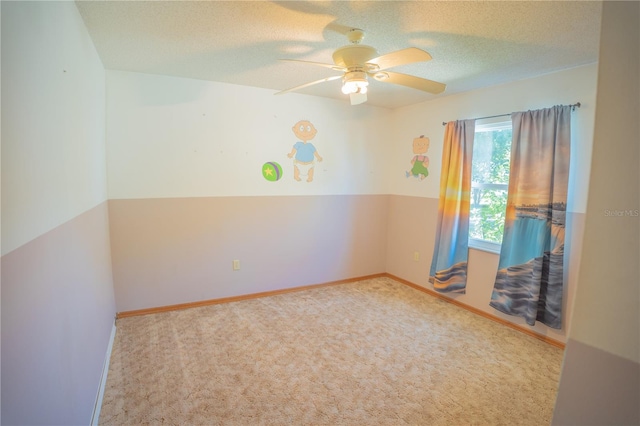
(57, 316)
(412, 223)
(411, 228)
(169, 251)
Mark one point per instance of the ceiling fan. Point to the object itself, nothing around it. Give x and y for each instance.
(357, 62)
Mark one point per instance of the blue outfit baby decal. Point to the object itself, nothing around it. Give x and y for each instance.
(304, 154)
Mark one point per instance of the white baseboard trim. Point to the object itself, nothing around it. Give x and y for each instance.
(95, 417)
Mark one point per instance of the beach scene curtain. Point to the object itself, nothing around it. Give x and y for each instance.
(529, 281)
(448, 272)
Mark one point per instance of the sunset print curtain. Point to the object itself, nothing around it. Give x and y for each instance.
(529, 281)
(450, 254)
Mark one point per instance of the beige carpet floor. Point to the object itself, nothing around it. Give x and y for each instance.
(373, 352)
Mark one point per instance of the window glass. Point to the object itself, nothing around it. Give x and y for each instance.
(489, 184)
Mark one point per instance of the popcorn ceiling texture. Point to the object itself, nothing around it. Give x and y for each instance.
(373, 352)
(474, 44)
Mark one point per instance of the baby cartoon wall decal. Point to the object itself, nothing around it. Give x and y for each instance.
(420, 161)
(304, 151)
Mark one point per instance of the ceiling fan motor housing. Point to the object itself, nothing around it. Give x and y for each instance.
(359, 76)
(354, 55)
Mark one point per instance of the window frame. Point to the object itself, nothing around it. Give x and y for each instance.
(476, 243)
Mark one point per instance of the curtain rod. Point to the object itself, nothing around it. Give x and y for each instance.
(573, 108)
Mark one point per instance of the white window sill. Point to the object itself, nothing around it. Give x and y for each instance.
(485, 246)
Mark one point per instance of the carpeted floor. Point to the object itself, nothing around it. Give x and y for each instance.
(374, 352)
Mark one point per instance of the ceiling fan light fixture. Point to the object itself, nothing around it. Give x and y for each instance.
(354, 87)
(355, 82)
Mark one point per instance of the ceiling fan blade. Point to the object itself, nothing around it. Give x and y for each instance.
(410, 81)
(302, 86)
(357, 98)
(321, 64)
(409, 55)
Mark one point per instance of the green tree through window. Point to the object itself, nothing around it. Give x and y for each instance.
(489, 184)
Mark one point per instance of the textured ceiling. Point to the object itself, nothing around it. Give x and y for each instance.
(473, 44)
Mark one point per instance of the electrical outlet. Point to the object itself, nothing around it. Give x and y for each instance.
(236, 265)
(416, 256)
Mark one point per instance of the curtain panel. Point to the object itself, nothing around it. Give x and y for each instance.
(529, 281)
(450, 255)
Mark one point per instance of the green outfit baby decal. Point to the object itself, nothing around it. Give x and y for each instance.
(419, 162)
(304, 151)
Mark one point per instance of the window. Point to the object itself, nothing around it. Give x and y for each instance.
(489, 185)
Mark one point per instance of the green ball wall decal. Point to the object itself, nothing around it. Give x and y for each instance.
(272, 171)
